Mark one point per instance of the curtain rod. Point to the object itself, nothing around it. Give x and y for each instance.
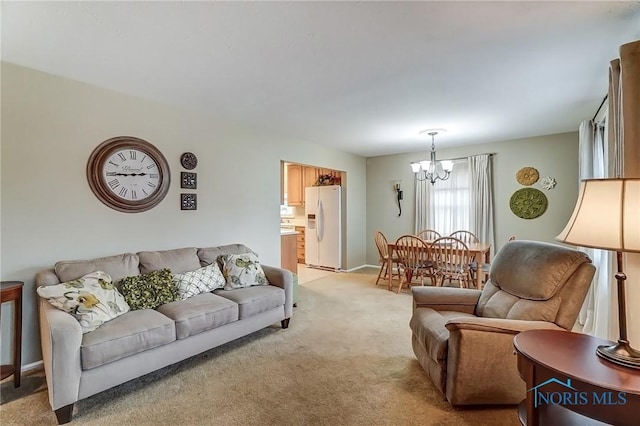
(600, 107)
(490, 154)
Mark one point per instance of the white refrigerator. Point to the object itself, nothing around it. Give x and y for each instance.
(323, 228)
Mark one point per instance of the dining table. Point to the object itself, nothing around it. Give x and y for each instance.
(480, 253)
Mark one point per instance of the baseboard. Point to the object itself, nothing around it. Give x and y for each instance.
(362, 267)
(33, 367)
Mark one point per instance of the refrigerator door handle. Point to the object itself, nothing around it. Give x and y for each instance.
(319, 221)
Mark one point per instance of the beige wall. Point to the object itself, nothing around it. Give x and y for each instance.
(50, 126)
(553, 155)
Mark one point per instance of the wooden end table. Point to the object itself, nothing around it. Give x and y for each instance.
(568, 384)
(12, 291)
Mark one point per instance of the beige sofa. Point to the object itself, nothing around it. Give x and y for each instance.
(79, 365)
(463, 338)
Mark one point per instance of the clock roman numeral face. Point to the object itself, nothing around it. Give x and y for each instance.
(131, 174)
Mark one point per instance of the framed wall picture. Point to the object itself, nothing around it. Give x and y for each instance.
(188, 202)
(188, 180)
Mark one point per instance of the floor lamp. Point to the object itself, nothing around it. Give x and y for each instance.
(607, 216)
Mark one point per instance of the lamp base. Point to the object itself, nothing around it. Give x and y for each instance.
(621, 353)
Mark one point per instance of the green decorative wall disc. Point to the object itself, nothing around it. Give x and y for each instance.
(528, 203)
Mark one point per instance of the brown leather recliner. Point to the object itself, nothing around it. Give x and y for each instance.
(463, 338)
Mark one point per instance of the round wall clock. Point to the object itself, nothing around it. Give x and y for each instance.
(528, 203)
(128, 174)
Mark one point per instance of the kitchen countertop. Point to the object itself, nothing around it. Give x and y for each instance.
(285, 231)
(292, 222)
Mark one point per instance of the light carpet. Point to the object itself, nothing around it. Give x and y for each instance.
(345, 359)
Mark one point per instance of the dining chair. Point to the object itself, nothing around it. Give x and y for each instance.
(415, 260)
(470, 238)
(428, 234)
(383, 253)
(452, 261)
(467, 237)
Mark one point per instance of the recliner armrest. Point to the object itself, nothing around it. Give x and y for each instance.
(446, 298)
(498, 325)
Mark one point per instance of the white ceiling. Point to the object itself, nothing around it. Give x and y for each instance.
(365, 77)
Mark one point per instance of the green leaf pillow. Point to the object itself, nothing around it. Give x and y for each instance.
(242, 270)
(148, 291)
(92, 299)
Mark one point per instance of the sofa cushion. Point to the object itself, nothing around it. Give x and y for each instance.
(92, 299)
(205, 279)
(118, 267)
(178, 260)
(150, 290)
(209, 255)
(428, 327)
(129, 334)
(242, 270)
(200, 313)
(254, 300)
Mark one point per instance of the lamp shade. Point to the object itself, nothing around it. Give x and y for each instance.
(606, 216)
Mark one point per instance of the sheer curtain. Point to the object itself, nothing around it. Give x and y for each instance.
(598, 313)
(481, 192)
(444, 206)
(424, 206)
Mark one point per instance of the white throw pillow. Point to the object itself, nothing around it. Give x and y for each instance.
(92, 299)
(201, 280)
(242, 270)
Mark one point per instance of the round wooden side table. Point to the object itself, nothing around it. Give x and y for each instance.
(568, 384)
(11, 291)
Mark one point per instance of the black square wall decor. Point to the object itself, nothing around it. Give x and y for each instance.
(188, 180)
(188, 202)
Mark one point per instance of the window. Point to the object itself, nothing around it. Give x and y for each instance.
(450, 201)
(285, 209)
(445, 205)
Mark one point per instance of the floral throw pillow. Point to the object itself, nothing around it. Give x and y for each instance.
(148, 291)
(92, 299)
(242, 270)
(201, 280)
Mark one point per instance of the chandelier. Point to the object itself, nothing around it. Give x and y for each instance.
(431, 169)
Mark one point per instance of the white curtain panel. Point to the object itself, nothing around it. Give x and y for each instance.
(598, 313)
(424, 206)
(449, 201)
(481, 198)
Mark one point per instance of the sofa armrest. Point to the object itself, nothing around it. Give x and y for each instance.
(46, 277)
(446, 298)
(60, 338)
(498, 325)
(282, 278)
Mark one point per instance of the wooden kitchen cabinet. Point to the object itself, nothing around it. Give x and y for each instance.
(310, 174)
(299, 177)
(300, 243)
(295, 189)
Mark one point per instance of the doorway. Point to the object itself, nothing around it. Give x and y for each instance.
(295, 177)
